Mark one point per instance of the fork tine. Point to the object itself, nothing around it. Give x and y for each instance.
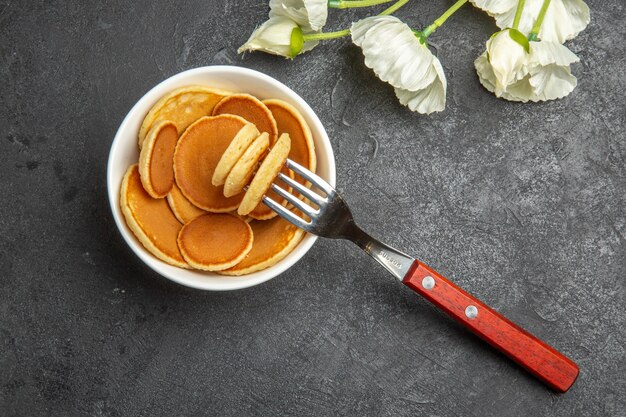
(311, 177)
(301, 205)
(287, 214)
(306, 192)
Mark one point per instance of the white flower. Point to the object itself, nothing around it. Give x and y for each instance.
(279, 36)
(506, 57)
(546, 74)
(310, 15)
(398, 57)
(564, 19)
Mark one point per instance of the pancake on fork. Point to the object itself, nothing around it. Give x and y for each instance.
(150, 219)
(157, 158)
(251, 109)
(245, 166)
(182, 106)
(197, 154)
(290, 121)
(234, 152)
(265, 175)
(214, 242)
(181, 207)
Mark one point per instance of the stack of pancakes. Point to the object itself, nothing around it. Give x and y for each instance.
(200, 148)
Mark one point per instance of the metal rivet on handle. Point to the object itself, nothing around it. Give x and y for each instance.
(428, 282)
(471, 312)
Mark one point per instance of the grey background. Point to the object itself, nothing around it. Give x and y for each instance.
(523, 205)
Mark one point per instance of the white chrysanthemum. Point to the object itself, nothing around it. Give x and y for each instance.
(310, 15)
(506, 57)
(279, 36)
(397, 56)
(564, 19)
(547, 74)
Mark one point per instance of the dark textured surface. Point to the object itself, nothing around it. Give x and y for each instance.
(523, 205)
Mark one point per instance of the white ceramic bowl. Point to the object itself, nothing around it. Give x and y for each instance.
(124, 152)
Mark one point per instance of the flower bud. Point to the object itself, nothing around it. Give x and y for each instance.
(507, 57)
(279, 36)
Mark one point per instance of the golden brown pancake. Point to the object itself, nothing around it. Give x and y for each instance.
(157, 158)
(151, 220)
(182, 106)
(213, 242)
(197, 153)
(181, 207)
(234, 152)
(245, 166)
(265, 175)
(261, 211)
(273, 240)
(290, 121)
(251, 109)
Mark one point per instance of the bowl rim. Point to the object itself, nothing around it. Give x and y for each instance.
(151, 97)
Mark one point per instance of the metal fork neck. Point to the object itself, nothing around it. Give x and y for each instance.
(391, 259)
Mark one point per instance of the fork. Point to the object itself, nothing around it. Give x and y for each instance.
(332, 219)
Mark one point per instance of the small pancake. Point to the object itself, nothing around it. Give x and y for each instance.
(151, 220)
(245, 166)
(251, 109)
(261, 211)
(265, 175)
(273, 240)
(157, 158)
(234, 152)
(182, 106)
(181, 207)
(290, 121)
(197, 153)
(213, 242)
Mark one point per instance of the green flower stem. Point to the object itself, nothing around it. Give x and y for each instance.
(441, 19)
(347, 4)
(393, 7)
(518, 13)
(346, 32)
(326, 35)
(537, 26)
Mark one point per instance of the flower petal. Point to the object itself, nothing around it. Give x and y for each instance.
(485, 73)
(545, 52)
(394, 53)
(310, 15)
(318, 13)
(494, 7)
(564, 19)
(552, 82)
(429, 99)
(506, 58)
(520, 90)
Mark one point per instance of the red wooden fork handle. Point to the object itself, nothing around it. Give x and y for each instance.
(551, 367)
